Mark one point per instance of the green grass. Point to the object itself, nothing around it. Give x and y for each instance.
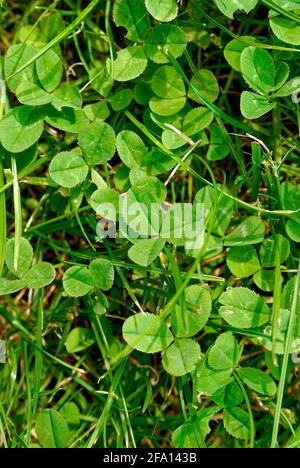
(133, 342)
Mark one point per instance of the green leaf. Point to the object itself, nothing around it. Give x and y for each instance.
(97, 142)
(52, 429)
(156, 162)
(145, 251)
(228, 396)
(282, 74)
(78, 281)
(100, 79)
(96, 111)
(254, 106)
(186, 436)
(121, 99)
(21, 128)
(286, 29)
(79, 339)
(243, 261)
(166, 107)
(68, 169)
(147, 333)
(11, 286)
(181, 357)
(258, 69)
(49, 70)
(258, 381)
(243, 308)
(293, 230)
(233, 51)
(103, 200)
(102, 272)
(167, 83)
(147, 191)
(291, 198)
(40, 275)
(197, 120)
(223, 205)
(271, 245)
(283, 321)
(289, 88)
(68, 120)
(133, 16)
(71, 413)
(162, 10)
(24, 259)
(66, 96)
(218, 148)
(16, 56)
(131, 148)
(250, 231)
(229, 7)
(225, 352)
(206, 84)
(188, 322)
(265, 280)
(129, 64)
(209, 380)
(165, 38)
(32, 95)
(236, 422)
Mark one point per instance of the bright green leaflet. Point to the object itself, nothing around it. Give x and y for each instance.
(224, 353)
(258, 380)
(209, 380)
(102, 272)
(21, 128)
(68, 169)
(167, 83)
(250, 231)
(162, 10)
(78, 281)
(206, 84)
(49, 70)
(186, 322)
(229, 7)
(66, 96)
(181, 357)
(166, 107)
(16, 56)
(40, 275)
(286, 30)
(129, 64)
(145, 251)
(243, 261)
(25, 256)
(254, 105)
(147, 333)
(97, 142)
(236, 422)
(133, 16)
(32, 95)
(243, 308)
(186, 437)
(258, 69)
(52, 429)
(131, 148)
(165, 37)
